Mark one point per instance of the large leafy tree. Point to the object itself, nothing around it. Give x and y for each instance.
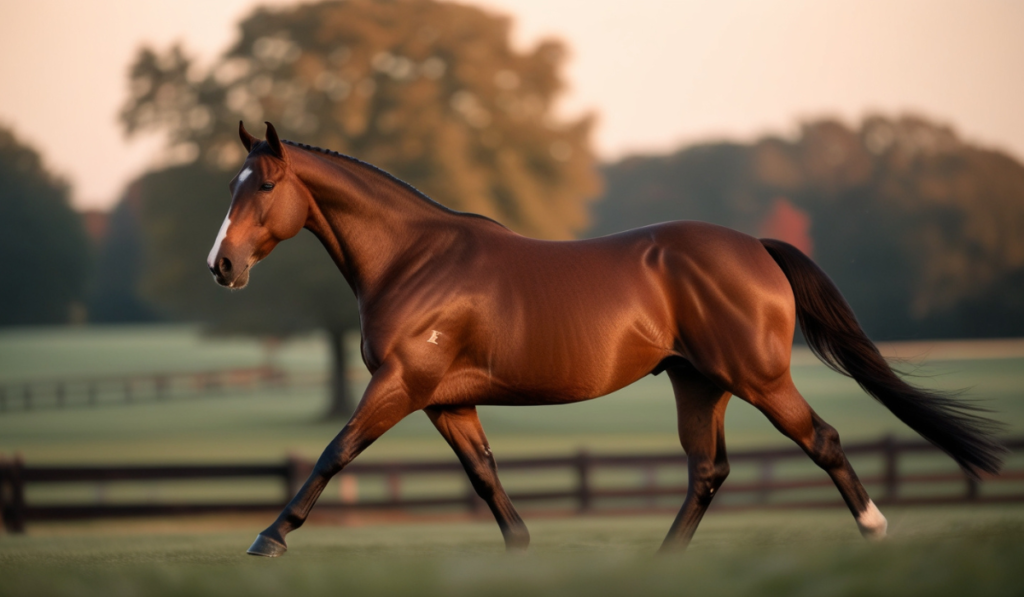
(921, 230)
(44, 251)
(431, 91)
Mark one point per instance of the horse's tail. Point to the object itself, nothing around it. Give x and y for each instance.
(835, 337)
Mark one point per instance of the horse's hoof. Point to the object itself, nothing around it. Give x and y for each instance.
(517, 542)
(266, 547)
(872, 524)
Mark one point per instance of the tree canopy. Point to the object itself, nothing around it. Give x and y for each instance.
(44, 251)
(921, 230)
(430, 91)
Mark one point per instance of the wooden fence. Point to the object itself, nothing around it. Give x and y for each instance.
(146, 387)
(766, 487)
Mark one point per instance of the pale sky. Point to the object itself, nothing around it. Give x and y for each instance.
(659, 73)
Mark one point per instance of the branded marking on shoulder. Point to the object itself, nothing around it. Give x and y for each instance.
(871, 522)
(434, 335)
(216, 244)
(244, 174)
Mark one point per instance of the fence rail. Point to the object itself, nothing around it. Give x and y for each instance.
(75, 392)
(766, 490)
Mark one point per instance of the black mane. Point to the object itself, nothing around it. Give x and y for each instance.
(389, 176)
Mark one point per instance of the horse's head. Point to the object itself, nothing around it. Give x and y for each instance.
(268, 205)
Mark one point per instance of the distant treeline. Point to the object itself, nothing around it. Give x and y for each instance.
(44, 252)
(923, 232)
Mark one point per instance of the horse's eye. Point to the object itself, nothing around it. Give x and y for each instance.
(266, 186)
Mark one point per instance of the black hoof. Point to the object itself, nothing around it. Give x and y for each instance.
(266, 547)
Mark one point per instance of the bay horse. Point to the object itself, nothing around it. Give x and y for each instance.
(457, 311)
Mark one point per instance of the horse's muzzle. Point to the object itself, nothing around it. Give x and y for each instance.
(225, 274)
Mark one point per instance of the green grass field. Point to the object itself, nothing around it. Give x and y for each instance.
(932, 551)
(267, 425)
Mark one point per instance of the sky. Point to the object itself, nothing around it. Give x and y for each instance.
(658, 73)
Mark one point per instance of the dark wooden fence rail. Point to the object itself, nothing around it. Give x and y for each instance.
(146, 387)
(767, 490)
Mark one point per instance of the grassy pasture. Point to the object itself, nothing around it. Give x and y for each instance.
(932, 551)
(266, 425)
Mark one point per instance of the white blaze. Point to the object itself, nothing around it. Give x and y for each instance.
(871, 522)
(220, 238)
(224, 227)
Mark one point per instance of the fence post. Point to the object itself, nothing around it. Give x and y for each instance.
(12, 495)
(583, 491)
(394, 487)
(891, 474)
(348, 489)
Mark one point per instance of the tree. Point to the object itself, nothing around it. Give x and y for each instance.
(920, 230)
(429, 91)
(44, 251)
(114, 294)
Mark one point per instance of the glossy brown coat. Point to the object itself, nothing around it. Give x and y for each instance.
(457, 311)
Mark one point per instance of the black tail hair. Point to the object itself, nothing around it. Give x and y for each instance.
(835, 337)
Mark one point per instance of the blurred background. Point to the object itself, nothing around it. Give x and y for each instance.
(884, 139)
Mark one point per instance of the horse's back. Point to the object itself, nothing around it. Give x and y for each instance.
(588, 317)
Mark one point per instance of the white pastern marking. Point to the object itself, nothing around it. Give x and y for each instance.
(244, 174)
(220, 238)
(434, 334)
(871, 522)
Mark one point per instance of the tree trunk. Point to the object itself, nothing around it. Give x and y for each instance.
(343, 403)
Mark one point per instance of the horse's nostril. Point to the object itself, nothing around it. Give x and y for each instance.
(225, 265)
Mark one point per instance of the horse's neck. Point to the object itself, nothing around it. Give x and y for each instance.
(367, 221)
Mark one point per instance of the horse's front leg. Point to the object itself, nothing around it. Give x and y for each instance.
(384, 403)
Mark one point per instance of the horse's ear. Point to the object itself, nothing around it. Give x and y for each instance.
(247, 139)
(274, 141)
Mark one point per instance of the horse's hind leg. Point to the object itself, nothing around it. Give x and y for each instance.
(790, 413)
(700, 408)
(460, 426)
